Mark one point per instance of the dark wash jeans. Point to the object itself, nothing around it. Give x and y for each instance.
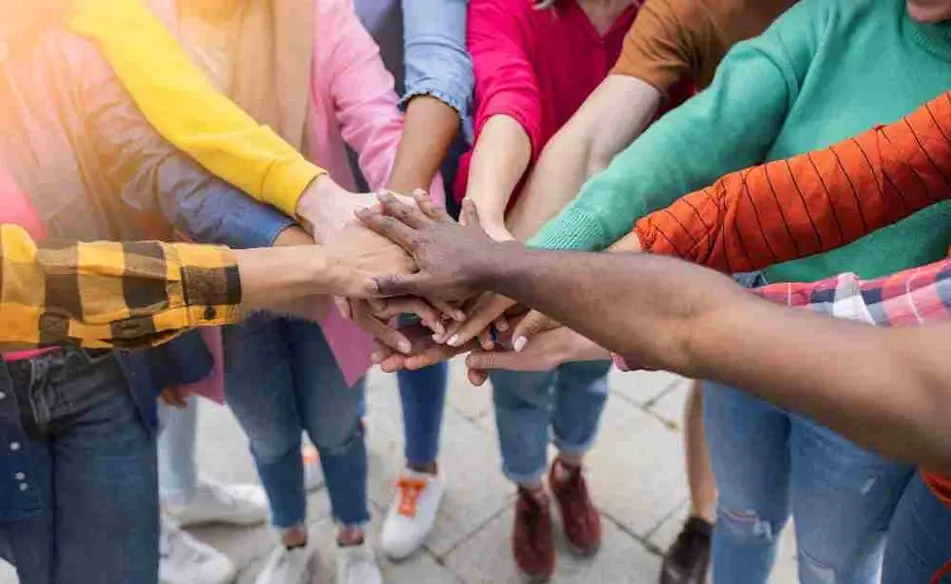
(95, 472)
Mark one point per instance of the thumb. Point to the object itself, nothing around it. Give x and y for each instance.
(534, 323)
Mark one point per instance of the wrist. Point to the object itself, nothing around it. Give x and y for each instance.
(500, 261)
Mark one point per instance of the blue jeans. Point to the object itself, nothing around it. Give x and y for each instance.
(96, 474)
(282, 380)
(770, 463)
(423, 395)
(530, 408)
(919, 540)
(178, 474)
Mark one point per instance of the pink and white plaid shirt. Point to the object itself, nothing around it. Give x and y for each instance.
(914, 296)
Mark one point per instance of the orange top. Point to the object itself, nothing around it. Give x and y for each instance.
(811, 203)
(675, 39)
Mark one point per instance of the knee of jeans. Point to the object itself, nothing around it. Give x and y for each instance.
(336, 437)
(516, 390)
(746, 526)
(275, 446)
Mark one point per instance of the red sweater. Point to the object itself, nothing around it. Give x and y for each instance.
(537, 66)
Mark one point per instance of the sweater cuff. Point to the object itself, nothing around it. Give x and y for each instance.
(286, 181)
(572, 230)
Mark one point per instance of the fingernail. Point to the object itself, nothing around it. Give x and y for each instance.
(454, 340)
(519, 344)
(405, 347)
(459, 315)
(376, 358)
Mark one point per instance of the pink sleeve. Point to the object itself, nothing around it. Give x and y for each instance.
(362, 92)
(498, 40)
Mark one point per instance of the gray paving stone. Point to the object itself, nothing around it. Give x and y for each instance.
(664, 534)
(222, 447)
(641, 387)
(636, 468)
(670, 405)
(471, 402)
(486, 558)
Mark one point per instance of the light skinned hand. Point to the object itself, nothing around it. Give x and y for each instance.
(425, 351)
(548, 350)
(452, 259)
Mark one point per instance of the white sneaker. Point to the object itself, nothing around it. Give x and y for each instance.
(313, 472)
(296, 566)
(214, 503)
(412, 514)
(356, 564)
(185, 560)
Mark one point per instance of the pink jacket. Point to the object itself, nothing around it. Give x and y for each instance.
(353, 101)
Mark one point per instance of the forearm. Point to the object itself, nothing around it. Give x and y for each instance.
(678, 317)
(609, 120)
(429, 129)
(276, 277)
(502, 154)
(751, 219)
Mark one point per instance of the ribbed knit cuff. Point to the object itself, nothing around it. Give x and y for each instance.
(573, 230)
(286, 181)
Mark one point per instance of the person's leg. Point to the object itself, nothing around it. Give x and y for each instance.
(420, 487)
(688, 559)
(187, 498)
(749, 452)
(843, 499)
(331, 414)
(581, 390)
(700, 479)
(423, 395)
(178, 476)
(523, 407)
(27, 545)
(27, 540)
(105, 476)
(919, 539)
(260, 391)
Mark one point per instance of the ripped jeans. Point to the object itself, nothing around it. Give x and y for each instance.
(769, 464)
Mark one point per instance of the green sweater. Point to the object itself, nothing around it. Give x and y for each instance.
(826, 70)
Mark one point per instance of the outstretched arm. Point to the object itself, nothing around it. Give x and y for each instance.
(112, 294)
(813, 202)
(668, 314)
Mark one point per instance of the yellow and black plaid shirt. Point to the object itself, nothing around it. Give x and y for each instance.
(110, 294)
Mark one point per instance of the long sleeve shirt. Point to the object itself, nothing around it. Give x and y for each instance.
(811, 203)
(110, 294)
(804, 84)
(166, 86)
(536, 66)
(437, 62)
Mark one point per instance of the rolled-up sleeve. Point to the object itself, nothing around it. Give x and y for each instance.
(110, 294)
(437, 62)
(505, 79)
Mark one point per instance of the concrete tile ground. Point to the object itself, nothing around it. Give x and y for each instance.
(635, 471)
